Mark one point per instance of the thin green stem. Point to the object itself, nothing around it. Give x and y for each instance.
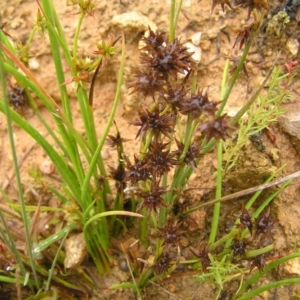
(69, 141)
(61, 165)
(57, 59)
(190, 129)
(246, 107)
(225, 78)
(61, 34)
(144, 277)
(256, 252)
(4, 39)
(42, 120)
(172, 19)
(30, 81)
(222, 240)
(17, 171)
(226, 95)
(176, 16)
(75, 43)
(267, 269)
(51, 18)
(269, 286)
(95, 158)
(31, 37)
(217, 206)
(87, 116)
(52, 269)
(146, 145)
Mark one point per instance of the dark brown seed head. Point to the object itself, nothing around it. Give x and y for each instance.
(253, 4)
(152, 199)
(258, 261)
(171, 59)
(115, 141)
(263, 223)
(170, 234)
(174, 97)
(119, 176)
(163, 264)
(198, 105)
(216, 128)
(243, 35)
(222, 3)
(155, 122)
(192, 153)
(147, 82)
(137, 172)
(245, 220)
(17, 98)
(239, 247)
(159, 159)
(155, 40)
(202, 254)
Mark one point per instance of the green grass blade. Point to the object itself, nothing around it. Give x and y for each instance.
(217, 206)
(108, 126)
(7, 111)
(63, 168)
(267, 269)
(267, 287)
(30, 81)
(52, 269)
(46, 243)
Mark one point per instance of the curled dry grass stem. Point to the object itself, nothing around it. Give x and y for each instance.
(247, 191)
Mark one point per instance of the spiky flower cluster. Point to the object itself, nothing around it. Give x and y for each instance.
(163, 148)
(17, 98)
(161, 63)
(160, 60)
(170, 234)
(261, 237)
(167, 149)
(158, 78)
(260, 231)
(155, 121)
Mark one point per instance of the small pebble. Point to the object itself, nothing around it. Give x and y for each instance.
(196, 38)
(75, 249)
(15, 24)
(196, 51)
(33, 64)
(293, 46)
(47, 167)
(123, 266)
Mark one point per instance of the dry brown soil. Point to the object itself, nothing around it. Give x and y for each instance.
(217, 39)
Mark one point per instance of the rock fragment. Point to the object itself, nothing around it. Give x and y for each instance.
(290, 123)
(132, 23)
(75, 251)
(293, 46)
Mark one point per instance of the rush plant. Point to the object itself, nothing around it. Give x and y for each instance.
(179, 126)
